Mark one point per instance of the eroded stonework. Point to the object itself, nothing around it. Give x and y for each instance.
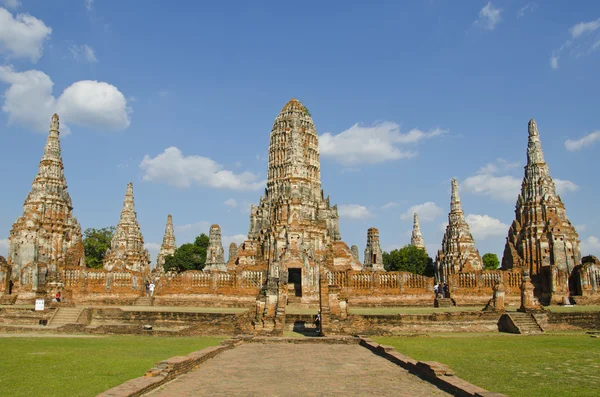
(294, 225)
(127, 250)
(215, 254)
(541, 239)
(232, 251)
(458, 253)
(168, 245)
(416, 239)
(47, 237)
(373, 252)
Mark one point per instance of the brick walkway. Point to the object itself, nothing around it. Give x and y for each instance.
(255, 369)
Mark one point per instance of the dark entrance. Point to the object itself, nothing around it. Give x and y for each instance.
(295, 277)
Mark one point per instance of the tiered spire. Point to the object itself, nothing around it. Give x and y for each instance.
(127, 250)
(416, 239)
(215, 254)
(373, 252)
(458, 253)
(47, 236)
(168, 245)
(541, 236)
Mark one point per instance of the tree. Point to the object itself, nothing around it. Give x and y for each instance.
(95, 244)
(189, 256)
(490, 261)
(408, 259)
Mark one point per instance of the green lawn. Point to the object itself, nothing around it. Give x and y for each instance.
(54, 366)
(540, 365)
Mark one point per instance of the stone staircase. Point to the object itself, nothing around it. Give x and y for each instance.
(443, 302)
(525, 323)
(8, 299)
(66, 315)
(144, 301)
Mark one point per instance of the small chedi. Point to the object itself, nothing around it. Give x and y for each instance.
(215, 254)
(373, 252)
(416, 239)
(168, 245)
(127, 250)
(47, 237)
(541, 240)
(232, 251)
(458, 253)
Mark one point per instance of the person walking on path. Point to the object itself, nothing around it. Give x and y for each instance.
(151, 288)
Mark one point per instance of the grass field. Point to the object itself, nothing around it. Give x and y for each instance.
(539, 365)
(61, 367)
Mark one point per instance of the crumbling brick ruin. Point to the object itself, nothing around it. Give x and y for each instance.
(294, 252)
(541, 239)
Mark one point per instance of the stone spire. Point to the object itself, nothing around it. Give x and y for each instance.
(168, 245)
(232, 251)
(294, 219)
(458, 253)
(215, 254)
(373, 253)
(127, 250)
(354, 250)
(541, 237)
(47, 237)
(416, 239)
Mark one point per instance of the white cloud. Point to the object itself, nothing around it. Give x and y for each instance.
(88, 4)
(583, 41)
(83, 52)
(530, 7)
(389, 205)
(489, 17)
(4, 247)
(504, 187)
(584, 27)
(442, 226)
(22, 36)
(29, 102)
(175, 169)
(578, 144)
(372, 144)
(236, 238)
(590, 246)
(564, 186)
(427, 211)
(484, 226)
(353, 211)
(11, 4)
(230, 203)
(554, 61)
(198, 227)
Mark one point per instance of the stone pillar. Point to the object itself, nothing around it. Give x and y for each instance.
(354, 250)
(528, 301)
(499, 291)
(373, 253)
(215, 254)
(232, 251)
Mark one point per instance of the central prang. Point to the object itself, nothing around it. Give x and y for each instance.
(294, 226)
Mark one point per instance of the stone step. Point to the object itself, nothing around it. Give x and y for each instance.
(66, 315)
(526, 323)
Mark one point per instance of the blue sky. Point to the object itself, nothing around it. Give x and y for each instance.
(179, 98)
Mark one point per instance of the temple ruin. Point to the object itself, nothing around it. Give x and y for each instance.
(47, 237)
(458, 253)
(373, 252)
(127, 250)
(215, 254)
(416, 239)
(168, 245)
(541, 239)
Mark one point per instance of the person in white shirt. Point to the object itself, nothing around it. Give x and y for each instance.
(151, 288)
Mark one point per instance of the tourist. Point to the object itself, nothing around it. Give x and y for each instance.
(58, 296)
(436, 288)
(317, 322)
(147, 288)
(151, 289)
